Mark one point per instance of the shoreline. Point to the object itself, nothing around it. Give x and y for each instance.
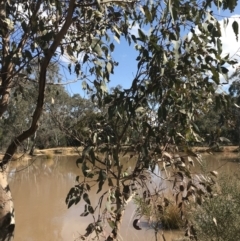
(78, 150)
(206, 149)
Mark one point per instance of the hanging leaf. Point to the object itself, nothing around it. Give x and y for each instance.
(86, 198)
(97, 49)
(85, 58)
(142, 35)
(235, 29)
(112, 47)
(84, 85)
(71, 202)
(84, 214)
(219, 46)
(111, 223)
(214, 173)
(90, 209)
(116, 38)
(101, 179)
(109, 67)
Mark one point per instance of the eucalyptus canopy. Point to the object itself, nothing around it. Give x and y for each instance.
(176, 71)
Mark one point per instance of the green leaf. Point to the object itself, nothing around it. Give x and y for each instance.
(147, 13)
(112, 47)
(28, 54)
(77, 200)
(134, 38)
(97, 49)
(79, 160)
(70, 194)
(84, 85)
(224, 70)
(85, 58)
(170, 7)
(111, 223)
(101, 179)
(104, 87)
(24, 26)
(71, 202)
(77, 69)
(88, 187)
(235, 29)
(90, 209)
(219, 46)
(109, 67)
(86, 198)
(84, 214)
(117, 39)
(85, 169)
(142, 36)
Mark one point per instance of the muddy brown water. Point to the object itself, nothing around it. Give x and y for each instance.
(39, 193)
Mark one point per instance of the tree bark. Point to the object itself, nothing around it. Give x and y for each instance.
(7, 220)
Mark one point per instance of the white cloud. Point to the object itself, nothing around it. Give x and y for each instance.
(230, 46)
(229, 43)
(134, 30)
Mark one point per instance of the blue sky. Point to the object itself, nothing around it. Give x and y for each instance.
(126, 55)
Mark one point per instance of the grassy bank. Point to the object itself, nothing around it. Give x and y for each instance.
(216, 149)
(77, 150)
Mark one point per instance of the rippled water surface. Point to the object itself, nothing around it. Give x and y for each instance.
(39, 193)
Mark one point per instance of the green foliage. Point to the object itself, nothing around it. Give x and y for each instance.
(155, 118)
(221, 117)
(218, 217)
(147, 122)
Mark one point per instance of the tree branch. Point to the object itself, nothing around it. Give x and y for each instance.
(41, 89)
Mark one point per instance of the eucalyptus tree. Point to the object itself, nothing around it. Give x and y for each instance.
(72, 117)
(173, 69)
(23, 99)
(41, 32)
(179, 65)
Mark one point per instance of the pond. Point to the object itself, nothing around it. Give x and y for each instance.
(39, 193)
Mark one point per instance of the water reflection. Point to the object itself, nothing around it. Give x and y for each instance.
(39, 193)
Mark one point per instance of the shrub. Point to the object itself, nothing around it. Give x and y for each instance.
(218, 217)
(49, 155)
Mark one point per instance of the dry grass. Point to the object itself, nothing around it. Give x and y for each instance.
(155, 212)
(171, 218)
(222, 149)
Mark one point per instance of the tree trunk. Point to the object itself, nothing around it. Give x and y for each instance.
(33, 144)
(7, 220)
